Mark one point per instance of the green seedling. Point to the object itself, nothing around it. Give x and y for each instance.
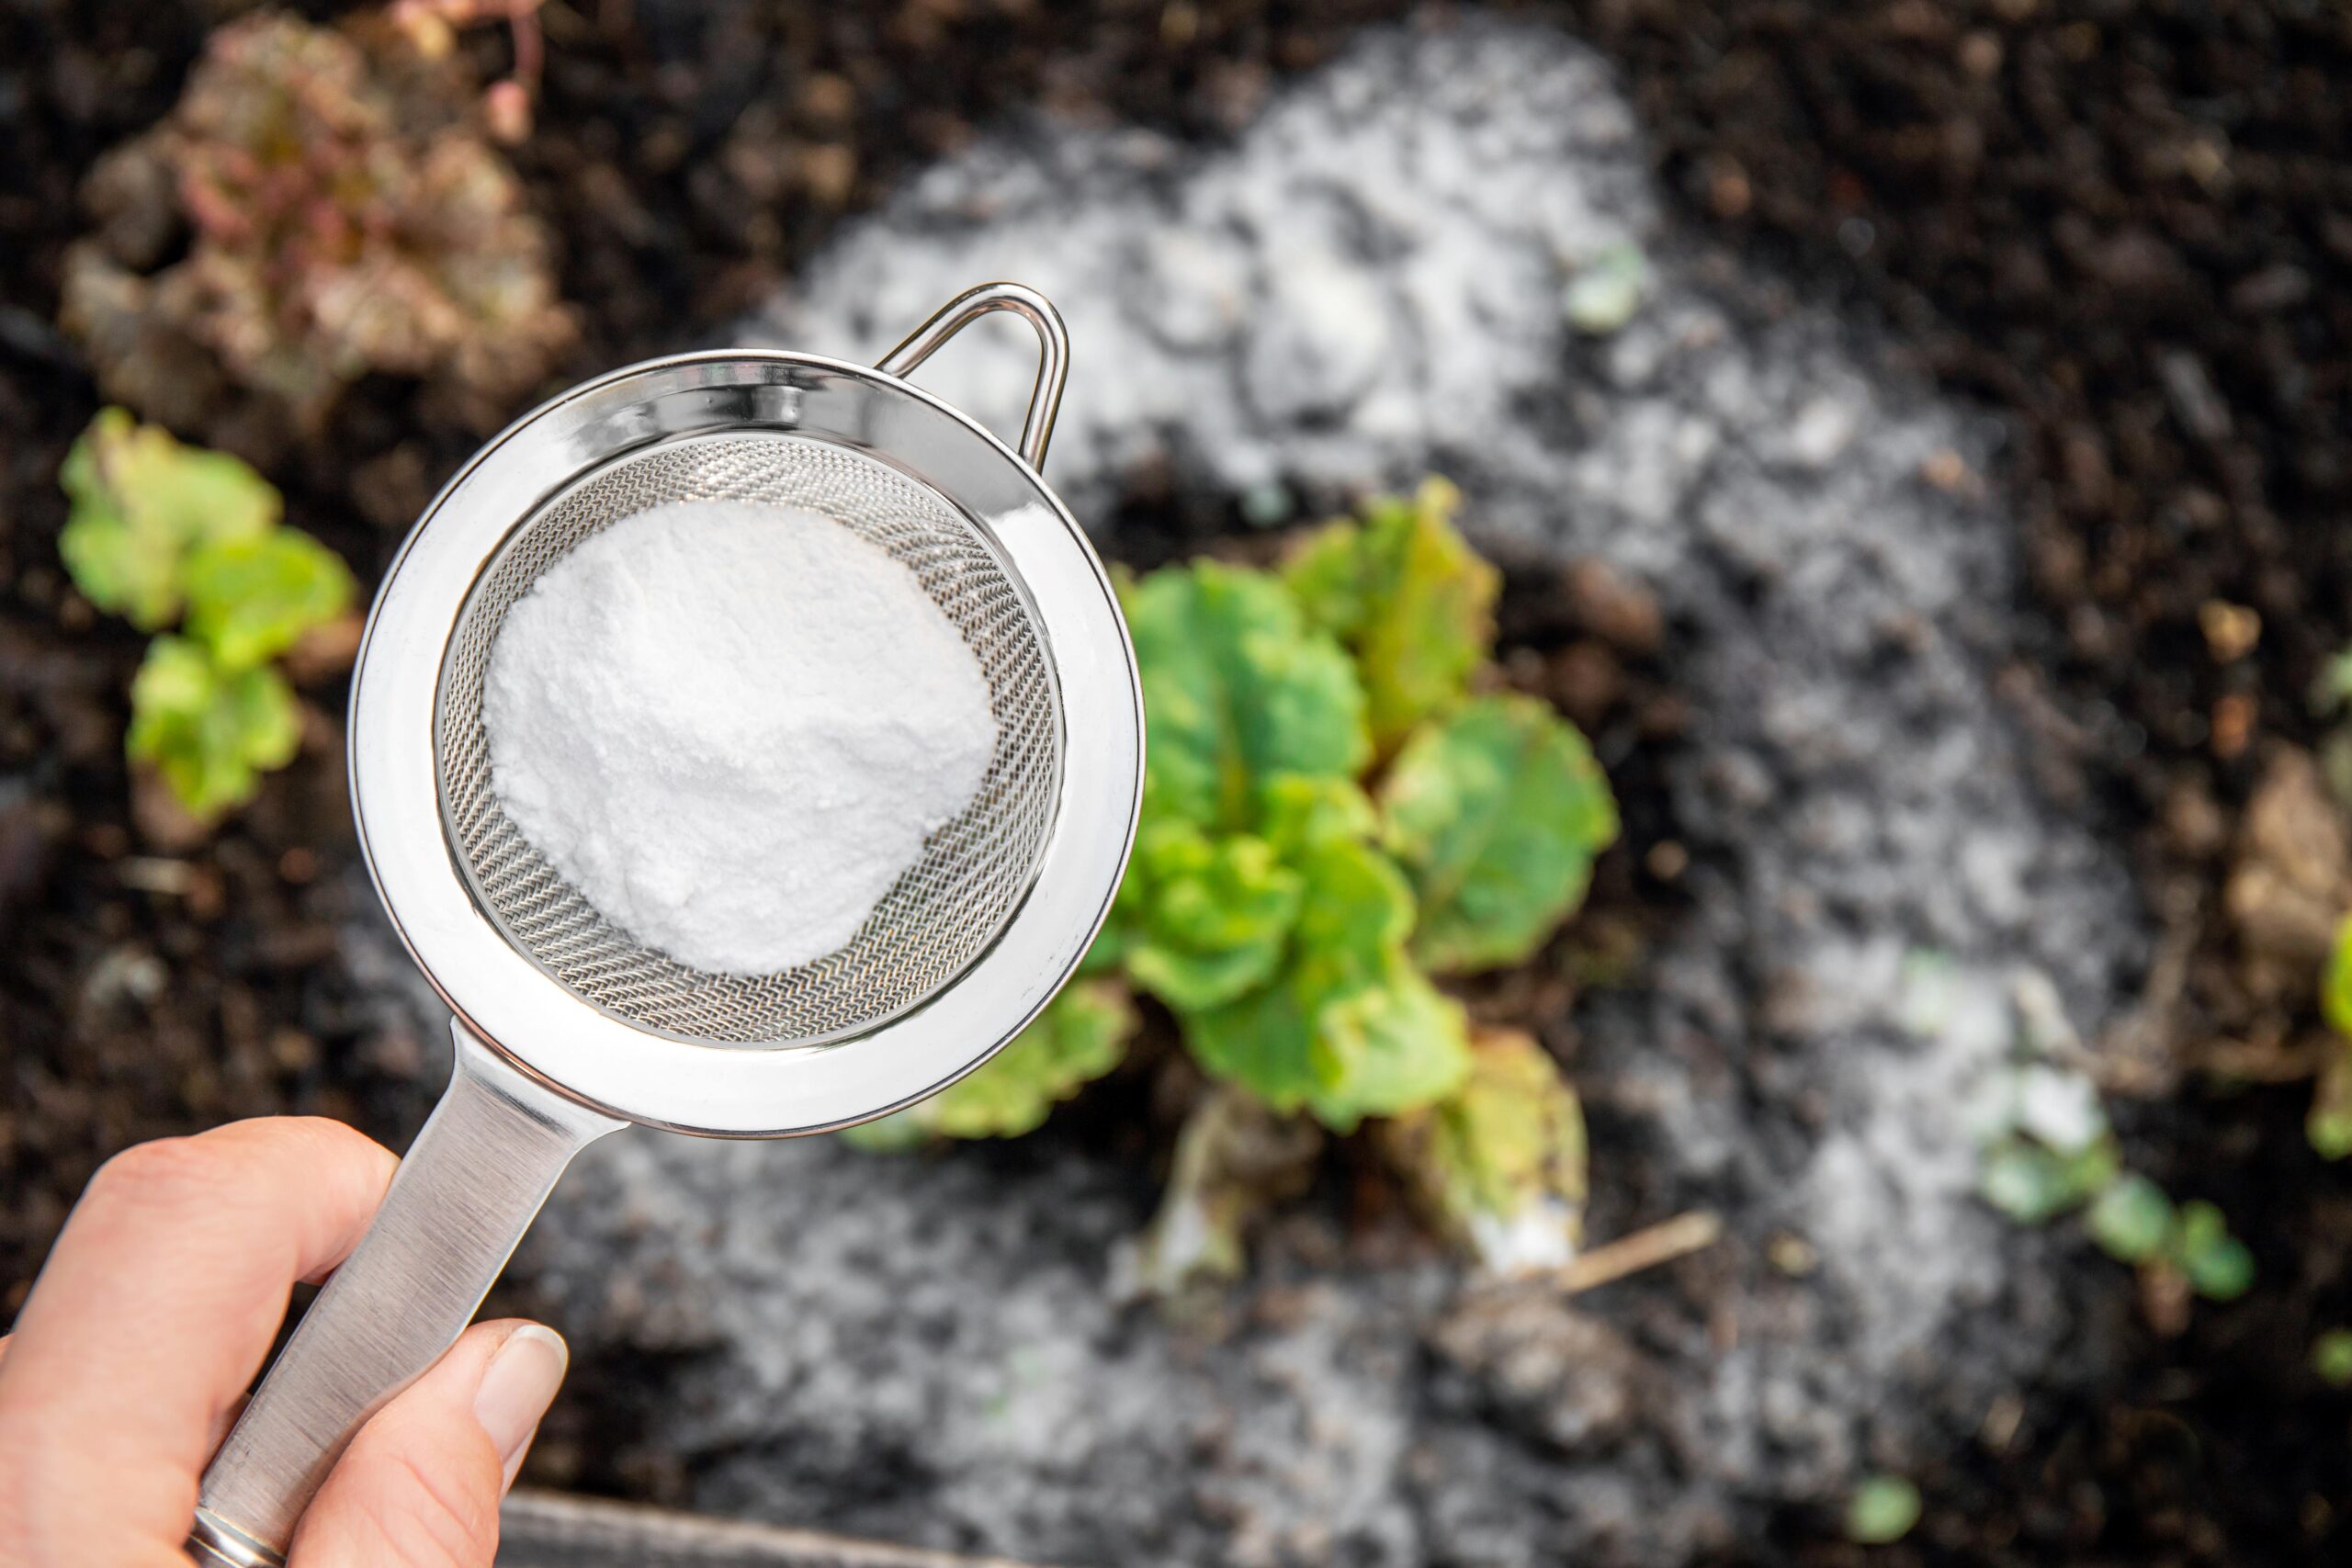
(1881, 1511)
(162, 533)
(2050, 1151)
(2332, 1358)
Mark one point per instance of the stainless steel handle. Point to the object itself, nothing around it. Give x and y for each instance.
(460, 1202)
(1053, 351)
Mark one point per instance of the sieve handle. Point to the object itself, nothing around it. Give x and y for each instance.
(456, 1207)
(1053, 351)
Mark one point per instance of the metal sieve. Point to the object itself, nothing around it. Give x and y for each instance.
(566, 1027)
(942, 910)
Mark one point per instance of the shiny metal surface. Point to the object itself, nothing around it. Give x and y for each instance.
(460, 1203)
(785, 1085)
(942, 911)
(1053, 352)
(547, 1061)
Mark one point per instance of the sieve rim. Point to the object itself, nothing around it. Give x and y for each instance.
(489, 906)
(573, 1045)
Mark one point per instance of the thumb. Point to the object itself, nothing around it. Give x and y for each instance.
(419, 1487)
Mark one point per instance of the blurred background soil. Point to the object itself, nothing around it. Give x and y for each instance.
(2126, 227)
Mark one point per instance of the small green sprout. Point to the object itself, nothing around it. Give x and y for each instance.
(1605, 291)
(2132, 1219)
(2049, 1151)
(1882, 1510)
(2329, 1123)
(2332, 1358)
(160, 533)
(144, 507)
(2215, 1262)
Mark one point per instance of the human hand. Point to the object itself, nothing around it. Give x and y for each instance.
(133, 1354)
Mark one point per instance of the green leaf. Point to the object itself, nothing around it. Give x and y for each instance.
(210, 732)
(2216, 1262)
(1206, 917)
(1407, 598)
(143, 504)
(1238, 688)
(2033, 1184)
(1499, 1166)
(2132, 1220)
(1496, 812)
(1387, 1047)
(1881, 1511)
(1082, 1035)
(251, 599)
(1346, 1027)
(2335, 987)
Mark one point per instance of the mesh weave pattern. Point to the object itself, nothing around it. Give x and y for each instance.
(942, 912)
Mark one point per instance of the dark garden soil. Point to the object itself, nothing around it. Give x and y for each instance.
(2128, 226)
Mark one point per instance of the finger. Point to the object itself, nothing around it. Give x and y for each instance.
(150, 1318)
(420, 1484)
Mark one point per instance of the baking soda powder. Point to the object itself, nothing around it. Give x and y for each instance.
(731, 726)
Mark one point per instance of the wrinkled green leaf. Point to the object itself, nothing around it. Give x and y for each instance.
(2132, 1220)
(1499, 1166)
(143, 504)
(1346, 1027)
(210, 732)
(1407, 598)
(1339, 1023)
(1237, 688)
(1387, 1047)
(1495, 813)
(1205, 919)
(1082, 1035)
(251, 599)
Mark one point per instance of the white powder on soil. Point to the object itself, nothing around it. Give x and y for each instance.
(731, 726)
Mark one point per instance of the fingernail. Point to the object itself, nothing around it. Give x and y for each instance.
(517, 1388)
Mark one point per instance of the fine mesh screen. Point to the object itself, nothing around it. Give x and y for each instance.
(941, 913)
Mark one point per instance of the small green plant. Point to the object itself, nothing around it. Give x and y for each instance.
(2332, 1358)
(1881, 1511)
(343, 214)
(162, 534)
(2329, 1123)
(2050, 1152)
(1336, 816)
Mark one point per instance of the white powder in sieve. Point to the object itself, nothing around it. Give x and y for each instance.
(731, 726)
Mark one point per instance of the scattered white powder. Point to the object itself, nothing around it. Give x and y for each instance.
(731, 726)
